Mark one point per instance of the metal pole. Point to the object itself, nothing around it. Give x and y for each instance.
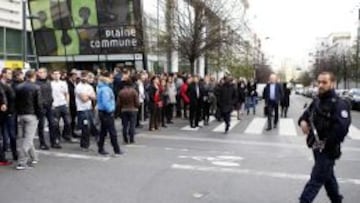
(158, 35)
(357, 52)
(24, 54)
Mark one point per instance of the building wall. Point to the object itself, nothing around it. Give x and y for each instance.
(11, 26)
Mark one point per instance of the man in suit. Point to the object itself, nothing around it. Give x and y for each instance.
(194, 93)
(273, 94)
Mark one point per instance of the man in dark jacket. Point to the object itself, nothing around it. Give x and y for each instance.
(273, 94)
(194, 94)
(47, 100)
(71, 82)
(8, 126)
(3, 108)
(227, 100)
(128, 104)
(28, 105)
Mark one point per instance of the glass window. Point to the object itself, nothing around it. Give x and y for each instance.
(1, 40)
(13, 41)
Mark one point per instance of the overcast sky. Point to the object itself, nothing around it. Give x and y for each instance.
(293, 25)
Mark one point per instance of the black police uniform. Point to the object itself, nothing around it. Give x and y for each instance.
(330, 115)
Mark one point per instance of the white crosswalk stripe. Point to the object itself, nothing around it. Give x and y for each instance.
(221, 127)
(201, 124)
(287, 127)
(354, 133)
(256, 126)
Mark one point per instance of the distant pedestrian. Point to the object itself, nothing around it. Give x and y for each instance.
(241, 95)
(272, 95)
(28, 105)
(195, 96)
(8, 126)
(155, 103)
(251, 97)
(285, 101)
(60, 109)
(128, 104)
(47, 113)
(85, 94)
(227, 100)
(106, 107)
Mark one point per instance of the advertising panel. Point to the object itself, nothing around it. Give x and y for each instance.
(86, 27)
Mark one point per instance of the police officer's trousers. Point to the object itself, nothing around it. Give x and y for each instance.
(322, 175)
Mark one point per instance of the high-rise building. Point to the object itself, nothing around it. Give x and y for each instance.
(11, 35)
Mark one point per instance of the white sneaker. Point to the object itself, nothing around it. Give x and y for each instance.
(20, 167)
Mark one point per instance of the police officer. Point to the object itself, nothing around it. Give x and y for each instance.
(326, 123)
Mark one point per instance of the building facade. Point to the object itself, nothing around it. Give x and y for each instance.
(12, 36)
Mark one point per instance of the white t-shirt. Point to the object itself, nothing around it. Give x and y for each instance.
(83, 88)
(59, 90)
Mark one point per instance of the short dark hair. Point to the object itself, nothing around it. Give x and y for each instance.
(330, 74)
(105, 73)
(5, 70)
(30, 74)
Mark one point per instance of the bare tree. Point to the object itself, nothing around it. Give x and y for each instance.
(197, 27)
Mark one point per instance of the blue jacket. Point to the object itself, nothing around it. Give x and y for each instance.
(105, 98)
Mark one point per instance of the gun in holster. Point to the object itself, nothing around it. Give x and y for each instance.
(316, 143)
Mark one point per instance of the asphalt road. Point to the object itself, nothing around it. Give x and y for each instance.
(179, 165)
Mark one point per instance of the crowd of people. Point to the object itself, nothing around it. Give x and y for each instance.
(90, 103)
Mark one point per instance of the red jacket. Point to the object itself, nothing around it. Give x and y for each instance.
(183, 93)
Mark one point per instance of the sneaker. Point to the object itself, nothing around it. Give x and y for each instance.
(20, 167)
(34, 162)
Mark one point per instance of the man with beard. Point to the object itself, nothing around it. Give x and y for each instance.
(326, 123)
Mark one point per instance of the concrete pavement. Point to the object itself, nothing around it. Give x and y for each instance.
(176, 165)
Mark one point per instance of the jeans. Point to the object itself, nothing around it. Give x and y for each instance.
(58, 113)
(128, 123)
(250, 102)
(27, 126)
(87, 126)
(49, 116)
(322, 175)
(107, 123)
(8, 130)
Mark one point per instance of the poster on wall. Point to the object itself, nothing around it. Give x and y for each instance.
(86, 27)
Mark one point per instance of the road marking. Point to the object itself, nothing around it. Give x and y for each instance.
(201, 124)
(241, 142)
(354, 133)
(188, 128)
(73, 156)
(211, 119)
(256, 126)
(287, 127)
(280, 175)
(221, 127)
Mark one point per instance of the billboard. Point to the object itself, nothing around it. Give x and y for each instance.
(86, 27)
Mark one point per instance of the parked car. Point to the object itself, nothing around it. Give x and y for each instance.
(354, 97)
(342, 93)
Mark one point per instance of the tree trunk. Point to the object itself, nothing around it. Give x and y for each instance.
(192, 67)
